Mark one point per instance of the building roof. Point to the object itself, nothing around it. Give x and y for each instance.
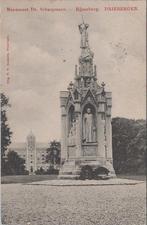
(18, 145)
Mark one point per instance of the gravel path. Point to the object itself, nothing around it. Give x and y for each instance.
(73, 205)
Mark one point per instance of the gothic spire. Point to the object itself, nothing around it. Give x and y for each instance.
(86, 57)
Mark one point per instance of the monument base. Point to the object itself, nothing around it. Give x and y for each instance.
(69, 170)
(87, 169)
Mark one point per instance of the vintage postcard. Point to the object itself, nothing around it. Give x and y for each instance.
(73, 129)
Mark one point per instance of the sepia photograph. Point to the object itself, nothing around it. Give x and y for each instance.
(73, 112)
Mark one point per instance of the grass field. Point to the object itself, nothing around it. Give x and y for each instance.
(132, 177)
(26, 178)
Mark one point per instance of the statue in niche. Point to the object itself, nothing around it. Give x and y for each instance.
(89, 129)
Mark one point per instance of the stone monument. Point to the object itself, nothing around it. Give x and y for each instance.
(85, 118)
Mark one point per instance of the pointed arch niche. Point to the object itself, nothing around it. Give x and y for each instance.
(71, 117)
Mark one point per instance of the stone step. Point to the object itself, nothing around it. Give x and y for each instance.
(68, 176)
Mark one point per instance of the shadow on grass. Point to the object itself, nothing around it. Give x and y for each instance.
(26, 178)
(132, 177)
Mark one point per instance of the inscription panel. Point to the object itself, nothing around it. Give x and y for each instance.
(71, 152)
(89, 150)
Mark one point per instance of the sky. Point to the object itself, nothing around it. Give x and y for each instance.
(44, 48)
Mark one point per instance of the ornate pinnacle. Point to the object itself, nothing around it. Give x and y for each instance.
(103, 88)
(95, 71)
(103, 84)
(76, 71)
(70, 86)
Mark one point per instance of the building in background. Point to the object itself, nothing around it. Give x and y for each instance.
(33, 152)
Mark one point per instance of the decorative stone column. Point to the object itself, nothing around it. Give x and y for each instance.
(109, 127)
(78, 129)
(35, 158)
(63, 133)
(109, 137)
(101, 129)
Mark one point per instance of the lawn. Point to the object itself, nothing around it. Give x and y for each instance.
(26, 178)
(132, 177)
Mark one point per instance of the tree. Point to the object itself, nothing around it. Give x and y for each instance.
(40, 171)
(53, 153)
(5, 130)
(136, 159)
(14, 164)
(129, 144)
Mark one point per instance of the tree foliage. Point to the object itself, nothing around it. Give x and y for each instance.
(129, 145)
(5, 130)
(14, 164)
(53, 153)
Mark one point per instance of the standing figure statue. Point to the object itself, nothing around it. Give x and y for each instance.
(84, 35)
(89, 129)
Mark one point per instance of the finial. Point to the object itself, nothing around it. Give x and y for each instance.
(103, 88)
(95, 71)
(70, 86)
(103, 84)
(76, 70)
